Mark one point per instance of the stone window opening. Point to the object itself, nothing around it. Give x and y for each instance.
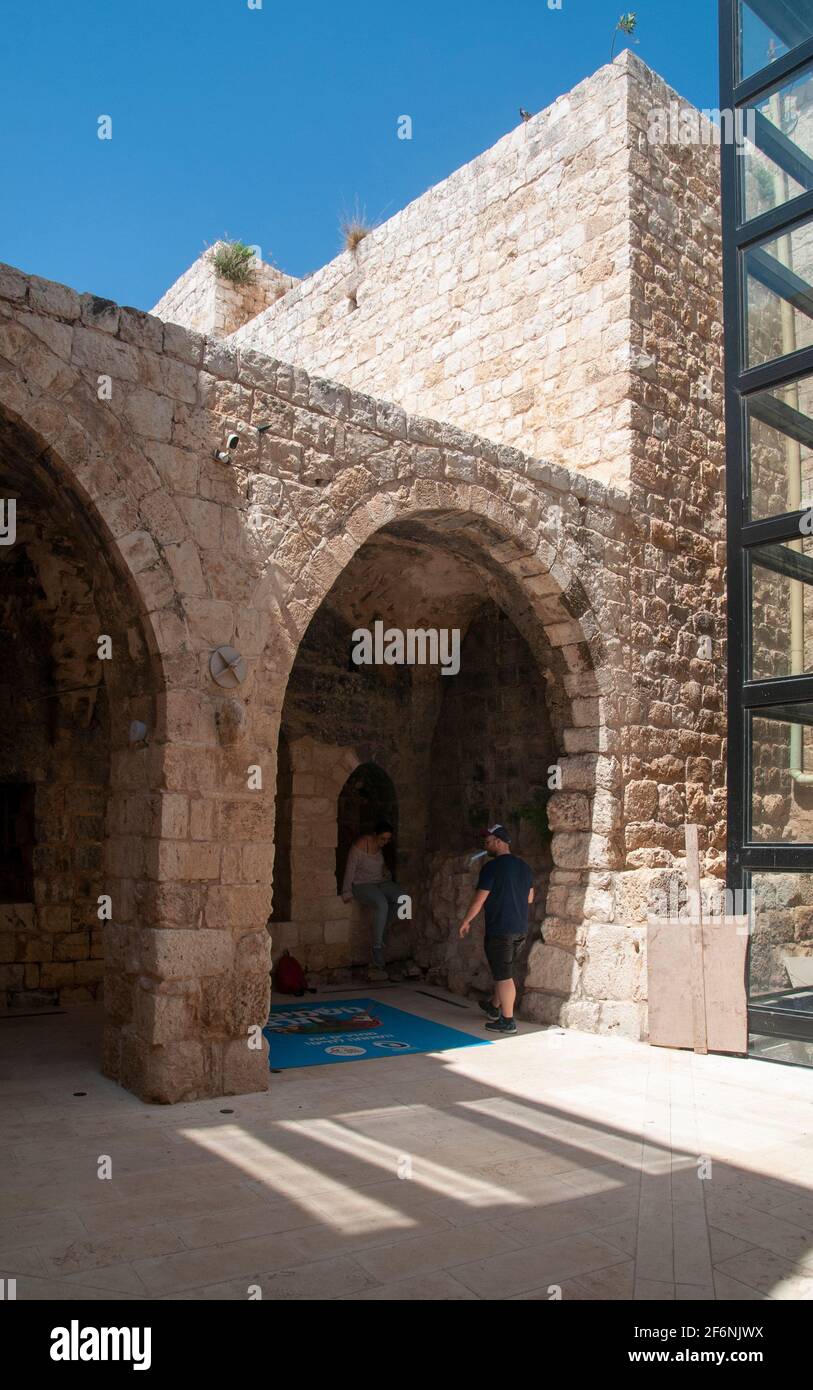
(16, 842)
(367, 796)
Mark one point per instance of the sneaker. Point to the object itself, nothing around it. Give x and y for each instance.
(502, 1025)
(490, 1009)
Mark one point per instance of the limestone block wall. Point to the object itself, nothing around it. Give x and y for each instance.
(59, 600)
(328, 936)
(205, 302)
(323, 930)
(493, 745)
(336, 718)
(504, 298)
(610, 588)
(499, 299)
(665, 762)
(674, 768)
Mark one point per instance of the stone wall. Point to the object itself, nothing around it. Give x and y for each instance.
(498, 300)
(120, 415)
(59, 598)
(675, 766)
(505, 299)
(666, 765)
(205, 302)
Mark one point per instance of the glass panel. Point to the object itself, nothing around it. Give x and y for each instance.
(769, 29)
(773, 1048)
(779, 295)
(780, 449)
(776, 163)
(782, 774)
(782, 609)
(780, 956)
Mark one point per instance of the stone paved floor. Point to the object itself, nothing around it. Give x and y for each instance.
(546, 1159)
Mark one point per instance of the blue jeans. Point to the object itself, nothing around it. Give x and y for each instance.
(383, 898)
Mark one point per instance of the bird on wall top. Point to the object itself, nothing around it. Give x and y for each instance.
(526, 115)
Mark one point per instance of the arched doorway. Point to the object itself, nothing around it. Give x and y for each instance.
(78, 715)
(462, 746)
(368, 796)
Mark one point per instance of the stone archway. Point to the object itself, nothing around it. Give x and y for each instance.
(182, 846)
(529, 563)
(244, 552)
(124, 411)
(82, 673)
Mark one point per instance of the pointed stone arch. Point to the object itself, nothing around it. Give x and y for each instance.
(185, 954)
(245, 552)
(95, 788)
(529, 544)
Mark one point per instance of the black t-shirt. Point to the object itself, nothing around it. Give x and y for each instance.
(508, 881)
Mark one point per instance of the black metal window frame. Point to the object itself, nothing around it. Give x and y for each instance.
(746, 696)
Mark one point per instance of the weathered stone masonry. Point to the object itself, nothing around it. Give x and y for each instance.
(176, 553)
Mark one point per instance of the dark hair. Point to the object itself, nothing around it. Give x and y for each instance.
(383, 827)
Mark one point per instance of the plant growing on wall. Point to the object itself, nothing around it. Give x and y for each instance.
(625, 25)
(535, 812)
(354, 232)
(354, 227)
(234, 261)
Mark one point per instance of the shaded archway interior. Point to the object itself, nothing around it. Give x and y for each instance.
(367, 799)
(68, 780)
(460, 749)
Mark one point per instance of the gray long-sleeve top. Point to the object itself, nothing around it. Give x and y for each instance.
(364, 868)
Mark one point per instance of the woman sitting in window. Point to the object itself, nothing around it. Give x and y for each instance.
(368, 880)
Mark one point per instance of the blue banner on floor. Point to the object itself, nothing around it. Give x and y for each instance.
(353, 1030)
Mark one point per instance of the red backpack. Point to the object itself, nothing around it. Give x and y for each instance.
(289, 977)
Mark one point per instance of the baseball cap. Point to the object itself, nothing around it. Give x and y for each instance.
(500, 832)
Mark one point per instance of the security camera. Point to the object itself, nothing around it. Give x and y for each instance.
(224, 455)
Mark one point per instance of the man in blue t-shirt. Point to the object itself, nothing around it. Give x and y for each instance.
(504, 890)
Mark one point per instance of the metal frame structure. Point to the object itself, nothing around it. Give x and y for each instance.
(792, 21)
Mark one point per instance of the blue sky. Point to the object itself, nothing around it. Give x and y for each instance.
(268, 124)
